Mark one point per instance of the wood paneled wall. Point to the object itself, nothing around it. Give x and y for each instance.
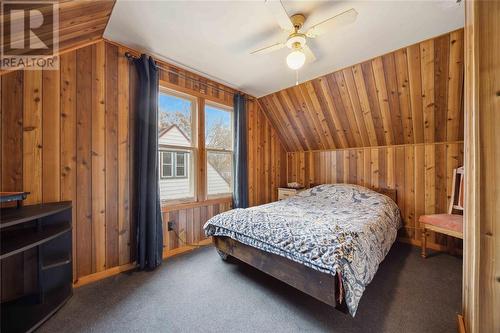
(68, 134)
(412, 95)
(420, 173)
(481, 287)
(66, 137)
(266, 158)
(189, 220)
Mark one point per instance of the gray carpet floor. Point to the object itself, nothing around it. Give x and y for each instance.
(198, 292)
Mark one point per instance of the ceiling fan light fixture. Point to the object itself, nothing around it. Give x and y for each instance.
(297, 38)
(296, 59)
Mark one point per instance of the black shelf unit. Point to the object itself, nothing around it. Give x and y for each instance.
(44, 231)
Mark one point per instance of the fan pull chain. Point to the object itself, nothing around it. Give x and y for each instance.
(297, 77)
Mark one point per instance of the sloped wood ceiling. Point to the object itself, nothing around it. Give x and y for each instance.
(412, 95)
(80, 21)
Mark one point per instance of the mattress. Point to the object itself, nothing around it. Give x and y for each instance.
(336, 229)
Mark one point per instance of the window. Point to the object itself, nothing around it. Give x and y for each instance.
(166, 164)
(219, 147)
(177, 128)
(174, 164)
(180, 147)
(180, 164)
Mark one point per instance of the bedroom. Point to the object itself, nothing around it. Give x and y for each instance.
(132, 145)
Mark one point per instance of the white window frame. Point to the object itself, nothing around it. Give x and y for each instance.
(188, 150)
(163, 164)
(185, 166)
(174, 164)
(220, 150)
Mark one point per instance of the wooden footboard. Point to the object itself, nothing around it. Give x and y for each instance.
(321, 286)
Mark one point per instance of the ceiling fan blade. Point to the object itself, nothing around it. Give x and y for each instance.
(269, 49)
(339, 20)
(310, 57)
(280, 14)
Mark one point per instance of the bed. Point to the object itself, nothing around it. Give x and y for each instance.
(327, 241)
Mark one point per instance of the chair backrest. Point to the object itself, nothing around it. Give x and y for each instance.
(457, 192)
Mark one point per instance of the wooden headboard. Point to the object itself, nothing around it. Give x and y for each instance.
(390, 192)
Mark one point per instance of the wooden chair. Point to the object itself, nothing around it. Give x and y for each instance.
(450, 224)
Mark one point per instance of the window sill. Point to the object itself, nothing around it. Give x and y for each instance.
(220, 196)
(171, 206)
(174, 202)
(173, 177)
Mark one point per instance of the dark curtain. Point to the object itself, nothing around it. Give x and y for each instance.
(148, 212)
(240, 183)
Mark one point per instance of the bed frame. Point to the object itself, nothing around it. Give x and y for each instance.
(312, 282)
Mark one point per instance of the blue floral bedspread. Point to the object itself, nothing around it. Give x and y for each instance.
(336, 228)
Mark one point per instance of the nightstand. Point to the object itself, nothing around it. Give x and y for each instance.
(285, 192)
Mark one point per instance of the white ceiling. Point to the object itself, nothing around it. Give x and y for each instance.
(214, 38)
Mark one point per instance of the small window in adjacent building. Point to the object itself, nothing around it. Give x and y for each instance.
(166, 164)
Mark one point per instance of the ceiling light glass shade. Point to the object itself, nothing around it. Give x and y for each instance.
(296, 59)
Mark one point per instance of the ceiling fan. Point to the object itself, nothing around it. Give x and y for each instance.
(297, 39)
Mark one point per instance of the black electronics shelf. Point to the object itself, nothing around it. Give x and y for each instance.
(23, 239)
(38, 237)
(13, 216)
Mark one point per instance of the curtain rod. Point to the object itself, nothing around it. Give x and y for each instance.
(168, 70)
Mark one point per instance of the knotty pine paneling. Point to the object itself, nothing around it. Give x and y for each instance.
(266, 158)
(68, 135)
(80, 22)
(420, 173)
(61, 143)
(412, 95)
(181, 80)
(481, 287)
(189, 221)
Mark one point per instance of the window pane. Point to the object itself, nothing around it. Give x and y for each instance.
(167, 157)
(218, 128)
(166, 163)
(180, 185)
(174, 120)
(180, 159)
(180, 171)
(219, 173)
